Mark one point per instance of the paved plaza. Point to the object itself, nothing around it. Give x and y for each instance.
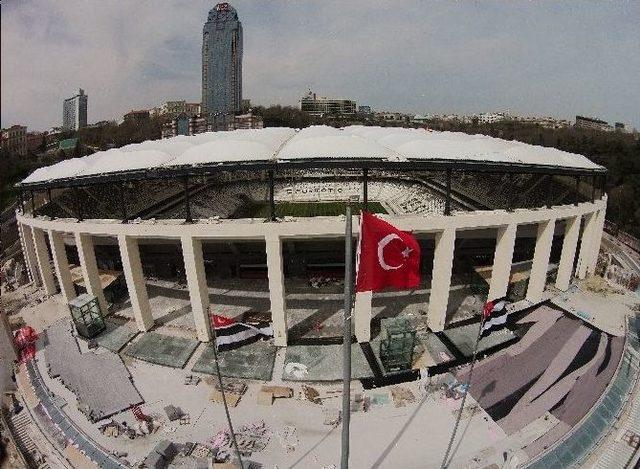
(513, 408)
(252, 361)
(162, 349)
(116, 335)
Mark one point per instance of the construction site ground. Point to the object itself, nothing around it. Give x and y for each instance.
(404, 425)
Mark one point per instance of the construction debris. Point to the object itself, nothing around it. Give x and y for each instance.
(146, 427)
(131, 432)
(311, 394)
(332, 417)
(230, 465)
(161, 455)
(221, 439)
(186, 448)
(288, 438)
(456, 391)
(201, 451)
(139, 415)
(166, 449)
(154, 461)
(402, 396)
(233, 390)
(468, 411)
(268, 394)
(297, 370)
(251, 438)
(317, 395)
(360, 403)
(329, 393)
(256, 318)
(191, 380)
(111, 429)
(265, 398)
(599, 285)
(234, 386)
(232, 398)
(173, 413)
(279, 391)
(114, 429)
(379, 399)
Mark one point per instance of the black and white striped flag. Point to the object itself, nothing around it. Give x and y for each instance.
(231, 334)
(494, 316)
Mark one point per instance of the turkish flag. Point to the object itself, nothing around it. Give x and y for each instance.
(387, 256)
(221, 321)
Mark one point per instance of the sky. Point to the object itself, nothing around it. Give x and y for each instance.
(427, 57)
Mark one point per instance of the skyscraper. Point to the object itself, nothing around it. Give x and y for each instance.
(221, 64)
(74, 111)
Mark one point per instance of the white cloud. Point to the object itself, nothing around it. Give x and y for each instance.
(538, 58)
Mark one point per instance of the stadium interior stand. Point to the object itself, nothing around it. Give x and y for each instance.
(236, 196)
(502, 191)
(242, 194)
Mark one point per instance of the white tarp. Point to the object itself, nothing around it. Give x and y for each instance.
(316, 142)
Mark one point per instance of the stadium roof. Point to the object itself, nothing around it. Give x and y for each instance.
(317, 145)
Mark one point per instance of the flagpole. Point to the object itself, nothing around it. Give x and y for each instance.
(346, 342)
(224, 397)
(464, 396)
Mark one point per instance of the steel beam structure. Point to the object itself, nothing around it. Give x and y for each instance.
(187, 203)
(272, 202)
(447, 202)
(412, 165)
(365, 188)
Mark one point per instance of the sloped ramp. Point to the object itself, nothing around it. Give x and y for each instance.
(101, 382)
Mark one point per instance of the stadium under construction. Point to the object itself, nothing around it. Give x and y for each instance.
(170, 236)
(266, 205)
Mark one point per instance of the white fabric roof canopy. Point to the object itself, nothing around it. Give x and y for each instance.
(317, 142)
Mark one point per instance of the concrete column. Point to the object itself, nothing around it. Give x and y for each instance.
(502, 259)
(441, 279)
(596, 240)
(23, 249)
(61, 264)
(362, 316)
(276, 289)
(87, 255)
(567, 258)
(586, 245)
(44, 264)
(540, 265)
(30, 254)
(132, 266)
(197, 282)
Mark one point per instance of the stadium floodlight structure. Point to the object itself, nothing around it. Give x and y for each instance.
(367, 157)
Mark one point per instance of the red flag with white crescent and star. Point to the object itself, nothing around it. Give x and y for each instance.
(387, 256)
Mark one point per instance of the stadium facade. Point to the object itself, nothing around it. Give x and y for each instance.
(274, 196)
(222, 63)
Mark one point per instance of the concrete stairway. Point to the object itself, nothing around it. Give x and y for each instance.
(22, 430)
